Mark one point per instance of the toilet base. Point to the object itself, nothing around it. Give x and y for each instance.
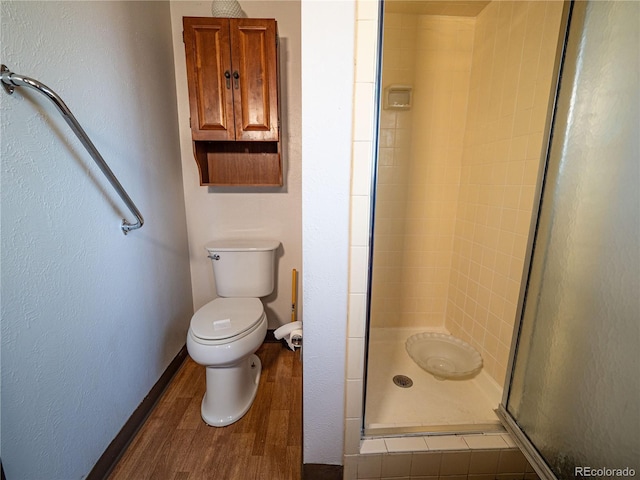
(230, 391)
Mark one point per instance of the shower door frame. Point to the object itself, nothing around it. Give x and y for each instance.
(377, 92)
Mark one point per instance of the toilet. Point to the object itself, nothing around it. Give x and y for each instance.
(225, 333)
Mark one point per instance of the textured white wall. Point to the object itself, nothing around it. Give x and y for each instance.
(90, 318)
(249, 212)
(327, 96)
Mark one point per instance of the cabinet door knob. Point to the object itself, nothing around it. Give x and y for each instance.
(227, 76)
(236, 76)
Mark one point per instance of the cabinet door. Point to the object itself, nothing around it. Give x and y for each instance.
(208, 58)
(255, 77)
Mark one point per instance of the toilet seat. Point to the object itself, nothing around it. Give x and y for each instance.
(223, 319)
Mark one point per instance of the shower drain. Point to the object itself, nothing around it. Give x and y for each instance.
(403, 381)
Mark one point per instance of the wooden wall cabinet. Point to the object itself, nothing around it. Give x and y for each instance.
(232, 74)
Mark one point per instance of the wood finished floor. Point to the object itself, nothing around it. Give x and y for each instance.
(174, 443)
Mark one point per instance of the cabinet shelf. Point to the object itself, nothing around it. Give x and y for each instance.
(233, 163)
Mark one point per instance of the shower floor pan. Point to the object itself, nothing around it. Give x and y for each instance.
(429, 405)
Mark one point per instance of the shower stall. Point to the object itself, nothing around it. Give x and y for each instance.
(507, 213)
(456, 190)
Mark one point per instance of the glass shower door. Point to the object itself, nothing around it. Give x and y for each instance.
(573, 401)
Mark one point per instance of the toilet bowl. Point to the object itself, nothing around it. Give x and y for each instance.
(225, 333)
(223, 336)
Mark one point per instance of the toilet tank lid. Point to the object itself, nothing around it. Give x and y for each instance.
(242, 245)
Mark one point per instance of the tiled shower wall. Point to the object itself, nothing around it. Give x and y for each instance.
(511, 79)
(457, 172)
(393, 171)
(443, 65)
(419, 162)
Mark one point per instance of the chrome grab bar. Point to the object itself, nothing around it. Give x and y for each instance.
(11, 80)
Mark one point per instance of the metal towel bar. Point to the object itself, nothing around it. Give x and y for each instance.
(11, 80)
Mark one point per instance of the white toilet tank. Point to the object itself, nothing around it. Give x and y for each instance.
(243, 268)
